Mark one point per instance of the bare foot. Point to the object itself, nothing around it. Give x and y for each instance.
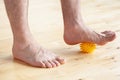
(35, 55)
(79, 34)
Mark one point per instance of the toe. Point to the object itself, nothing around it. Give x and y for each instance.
(108, 32)
(60, 60)
(52, 63)
(105, 32)
(40, 64)
(56, 62)
(109, 35)
(47, 64)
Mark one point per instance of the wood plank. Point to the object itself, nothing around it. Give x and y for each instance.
(104, 64)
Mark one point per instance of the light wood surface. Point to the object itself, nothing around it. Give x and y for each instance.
(46, 25)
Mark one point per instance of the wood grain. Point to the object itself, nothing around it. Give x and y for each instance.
(46, 24)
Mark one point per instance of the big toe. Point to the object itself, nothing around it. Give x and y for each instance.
(47, 64)
(52, 63)
(109, 35)
(60, 60)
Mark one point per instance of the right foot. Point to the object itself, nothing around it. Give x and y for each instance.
(75, 31)
(35, 55)
(79, 34)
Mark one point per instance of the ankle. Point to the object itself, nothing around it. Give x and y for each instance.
(74, 25)
(22, 42)
(19, 45)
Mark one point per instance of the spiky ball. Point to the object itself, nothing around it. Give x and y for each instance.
(87, 47)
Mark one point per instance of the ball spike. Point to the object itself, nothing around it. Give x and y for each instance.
(87, 47)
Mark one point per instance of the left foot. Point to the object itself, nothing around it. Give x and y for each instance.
(31, 52)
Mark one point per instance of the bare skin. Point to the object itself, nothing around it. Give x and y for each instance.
(75, 30)
(26, 48)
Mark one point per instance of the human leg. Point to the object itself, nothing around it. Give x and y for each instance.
(75, 31)
(25, 47)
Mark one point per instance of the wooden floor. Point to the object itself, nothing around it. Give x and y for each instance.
(46, 24)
